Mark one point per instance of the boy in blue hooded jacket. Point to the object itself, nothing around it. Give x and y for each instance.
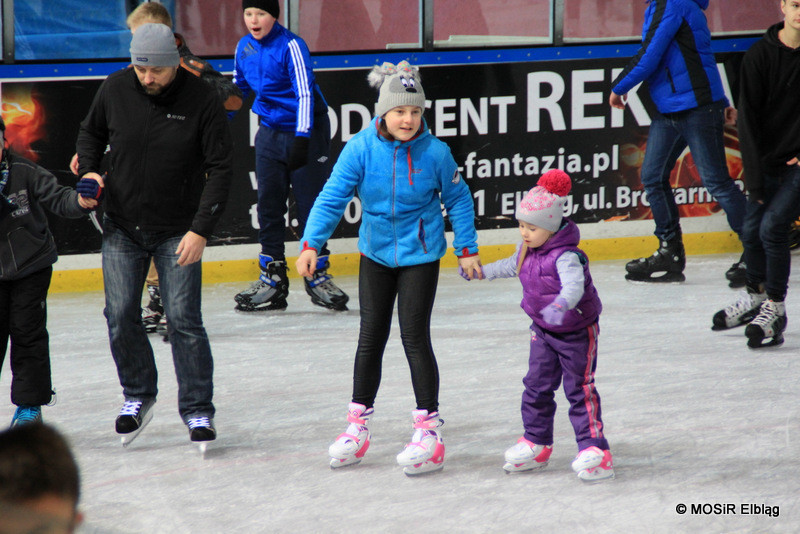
(677, 63)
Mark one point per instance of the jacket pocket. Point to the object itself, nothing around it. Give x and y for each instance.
(669, 77)
(26, 247)
(421, 235)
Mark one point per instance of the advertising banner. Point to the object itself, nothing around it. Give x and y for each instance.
(506, 124)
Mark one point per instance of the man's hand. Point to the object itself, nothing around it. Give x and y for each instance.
(73, 164)
(617, 101)
(190, 249)
(87, 203)
(793, 161)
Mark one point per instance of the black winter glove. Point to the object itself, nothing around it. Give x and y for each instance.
(298, 155)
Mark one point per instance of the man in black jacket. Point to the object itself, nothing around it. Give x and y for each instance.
(769, 137)
(168, 185)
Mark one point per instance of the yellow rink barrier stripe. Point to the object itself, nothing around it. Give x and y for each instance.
(616, 248)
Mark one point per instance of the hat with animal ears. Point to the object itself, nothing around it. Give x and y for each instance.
(398, 85)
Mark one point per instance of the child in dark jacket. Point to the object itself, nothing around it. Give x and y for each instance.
(560, 298)
(27, 254)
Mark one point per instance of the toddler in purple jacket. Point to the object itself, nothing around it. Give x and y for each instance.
(558, 295)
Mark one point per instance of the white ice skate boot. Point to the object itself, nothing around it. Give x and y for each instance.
(527, 456)
(740, 312)
(593, 464)
(425, 453)
(351, 446)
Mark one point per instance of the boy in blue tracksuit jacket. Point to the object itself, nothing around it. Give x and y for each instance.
(292, 147)
(402, 175)
(679, 67)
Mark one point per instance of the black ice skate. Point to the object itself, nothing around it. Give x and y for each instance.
(269, 292)
(769, 323)
(152, 313)
(323, 291)
(669, 259)
(132, 419)
(201, 431)
(741, 312)
(737, 274)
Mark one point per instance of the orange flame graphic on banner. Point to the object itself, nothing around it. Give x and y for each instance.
(24, 117)
(683, 177)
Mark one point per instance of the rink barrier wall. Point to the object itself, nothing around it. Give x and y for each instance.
(222, 271)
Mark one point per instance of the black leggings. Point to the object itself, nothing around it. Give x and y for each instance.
(415, 289)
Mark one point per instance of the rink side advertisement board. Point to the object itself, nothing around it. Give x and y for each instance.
(505, 123)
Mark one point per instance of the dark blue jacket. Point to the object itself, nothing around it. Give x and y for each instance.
(675, 58)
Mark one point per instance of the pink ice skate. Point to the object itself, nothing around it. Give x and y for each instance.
(527, 456)
(351, 446)
(425, 453)
(593, 464)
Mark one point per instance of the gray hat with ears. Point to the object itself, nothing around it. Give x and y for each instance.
(153, 45)
(398, 85)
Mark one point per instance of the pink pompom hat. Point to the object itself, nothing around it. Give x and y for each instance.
(544, 204)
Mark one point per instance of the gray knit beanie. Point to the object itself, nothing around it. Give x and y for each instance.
(398, 85)
(153, 45)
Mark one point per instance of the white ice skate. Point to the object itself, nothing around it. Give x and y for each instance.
(741, 312)
(425, 453)
(527, 456)
(351, 446)
(593, 464)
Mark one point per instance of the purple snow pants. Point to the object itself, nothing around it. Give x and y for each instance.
(572, 355)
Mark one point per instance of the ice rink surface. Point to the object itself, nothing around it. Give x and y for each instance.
(694, 418)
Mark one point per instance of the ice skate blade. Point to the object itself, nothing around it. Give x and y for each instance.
(530, 467)
(332, 307)
(590, 478)
(336, 463)
(254, 308)
(756, 343)
(128, 438)
(666, 278)
(425, 468)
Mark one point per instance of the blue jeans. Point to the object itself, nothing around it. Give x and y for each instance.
(274, 180)
(126, 258)
(766, 232)
(702, 130)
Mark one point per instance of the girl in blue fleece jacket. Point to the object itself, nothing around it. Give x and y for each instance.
(402, 175)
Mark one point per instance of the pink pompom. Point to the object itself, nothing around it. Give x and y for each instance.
(556, 181)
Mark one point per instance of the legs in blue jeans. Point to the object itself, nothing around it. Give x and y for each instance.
(766, 233)
(126, 256)
(702, 130)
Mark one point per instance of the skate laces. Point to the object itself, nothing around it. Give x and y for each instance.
(196, 422)
(130, 408)
(769, 312)
(746, 302)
